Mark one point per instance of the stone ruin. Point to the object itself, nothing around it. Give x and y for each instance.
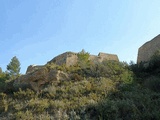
(37, 77)
(71, 58)
(147, 50)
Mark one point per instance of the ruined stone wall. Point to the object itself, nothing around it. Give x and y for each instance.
(146, 51)
(94, 58)
(106, 56)
(71, 58)
(103, 56)
(61, 59)
(67, 58)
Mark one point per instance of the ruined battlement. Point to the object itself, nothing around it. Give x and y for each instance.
(67, 58)
(71, 58)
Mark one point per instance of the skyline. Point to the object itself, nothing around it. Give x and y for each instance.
(37, 31)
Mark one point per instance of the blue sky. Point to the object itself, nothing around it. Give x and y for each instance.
(37, 30)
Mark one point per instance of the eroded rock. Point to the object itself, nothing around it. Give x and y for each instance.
(37, 79)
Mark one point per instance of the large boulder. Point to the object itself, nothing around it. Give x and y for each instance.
(147, 50)
(32, 68)
(38, 78)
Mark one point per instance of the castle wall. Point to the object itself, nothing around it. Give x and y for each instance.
(94, 58)
(106, 56)
(60, 59)
(146, 51)
(70, 58)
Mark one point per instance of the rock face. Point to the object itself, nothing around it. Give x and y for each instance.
(147, 50)
(71, 58)
(32, 80)
(32, 68)
(35, 80)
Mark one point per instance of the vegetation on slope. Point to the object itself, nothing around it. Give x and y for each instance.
(96, 91)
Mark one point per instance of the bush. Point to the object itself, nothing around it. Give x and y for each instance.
(49, 91)
(39, 105)
(154, 62)
(27, 115)
(24, 94)
(3, 78)
(153, 83)
(134, 103)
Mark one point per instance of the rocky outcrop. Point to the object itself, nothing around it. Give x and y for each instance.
(147, 50)
(32, 68)
(37, 79)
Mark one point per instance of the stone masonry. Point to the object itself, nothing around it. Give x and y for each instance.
(67, 58)
(147, 50)
(71, 58)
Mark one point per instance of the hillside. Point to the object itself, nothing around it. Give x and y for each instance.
(108, 90)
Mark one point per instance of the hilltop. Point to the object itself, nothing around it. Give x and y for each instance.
(74, 86)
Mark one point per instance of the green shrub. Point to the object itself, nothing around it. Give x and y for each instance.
(3, 78)
(24, 94)
(57, 104)
(134, 103)
(49, 91)
(154, 62)
(153, 83)
(27, 115)
(39, 105)
(3, 102)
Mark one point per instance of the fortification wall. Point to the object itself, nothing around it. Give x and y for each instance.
(67, 58)
(146, 51)
(106, 56)
(94, 58)
(71, 58)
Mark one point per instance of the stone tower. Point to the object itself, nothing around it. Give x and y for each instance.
(146, 51)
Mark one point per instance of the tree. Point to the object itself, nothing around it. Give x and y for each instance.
(14, 67)
(1, 70)
(83, 58)
(154, 62)
(83, 55)
(3, 77)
